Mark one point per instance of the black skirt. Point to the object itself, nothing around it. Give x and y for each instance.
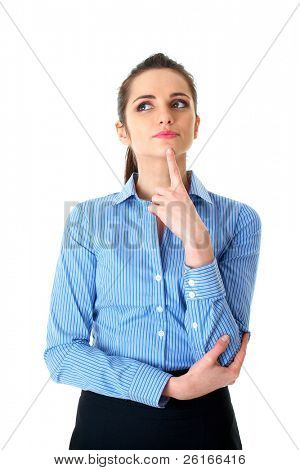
(206, 422)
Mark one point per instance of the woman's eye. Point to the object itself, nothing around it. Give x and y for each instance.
(177, 101)
(182, 101)
(141, 104)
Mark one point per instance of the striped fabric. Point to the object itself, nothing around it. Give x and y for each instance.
(125, 308)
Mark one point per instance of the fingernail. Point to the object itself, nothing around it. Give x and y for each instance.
(225, 338)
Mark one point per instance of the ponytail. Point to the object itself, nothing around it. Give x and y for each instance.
(130, 165)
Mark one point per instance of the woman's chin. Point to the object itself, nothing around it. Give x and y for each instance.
(163, 151)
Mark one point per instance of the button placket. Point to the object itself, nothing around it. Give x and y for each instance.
(159, 284)
(159, 308)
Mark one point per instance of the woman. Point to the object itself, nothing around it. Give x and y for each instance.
(157, 274)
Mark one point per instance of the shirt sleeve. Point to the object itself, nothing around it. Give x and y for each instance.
(218, 295)
(68, 355)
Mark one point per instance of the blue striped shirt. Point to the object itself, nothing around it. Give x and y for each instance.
(125, 308)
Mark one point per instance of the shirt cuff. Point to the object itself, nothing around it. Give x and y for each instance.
(163, 401)
(203, 282)
(147, 386)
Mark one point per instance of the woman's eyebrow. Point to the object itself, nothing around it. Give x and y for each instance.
(176, 93)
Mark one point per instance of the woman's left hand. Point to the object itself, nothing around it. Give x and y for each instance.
(176, 210)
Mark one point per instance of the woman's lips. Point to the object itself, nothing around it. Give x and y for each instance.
(166, 136)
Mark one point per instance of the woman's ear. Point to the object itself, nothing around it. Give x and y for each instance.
(120, 128)
(196, 127)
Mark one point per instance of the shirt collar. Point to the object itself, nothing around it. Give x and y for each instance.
(196, 188)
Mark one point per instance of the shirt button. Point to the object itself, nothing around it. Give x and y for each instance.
(192, 294)
(158, 277)
(195, 325)
(161, 333)
(191, 282)
(159, 308)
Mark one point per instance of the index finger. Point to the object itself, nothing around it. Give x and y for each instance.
(175, 175)
(240, 356)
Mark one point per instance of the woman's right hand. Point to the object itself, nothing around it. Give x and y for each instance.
(207, 375)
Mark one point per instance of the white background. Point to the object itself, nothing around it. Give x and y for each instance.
(61, 65)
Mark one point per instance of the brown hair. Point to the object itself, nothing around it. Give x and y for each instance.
(156, 61)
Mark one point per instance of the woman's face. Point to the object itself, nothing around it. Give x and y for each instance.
(147, 116)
